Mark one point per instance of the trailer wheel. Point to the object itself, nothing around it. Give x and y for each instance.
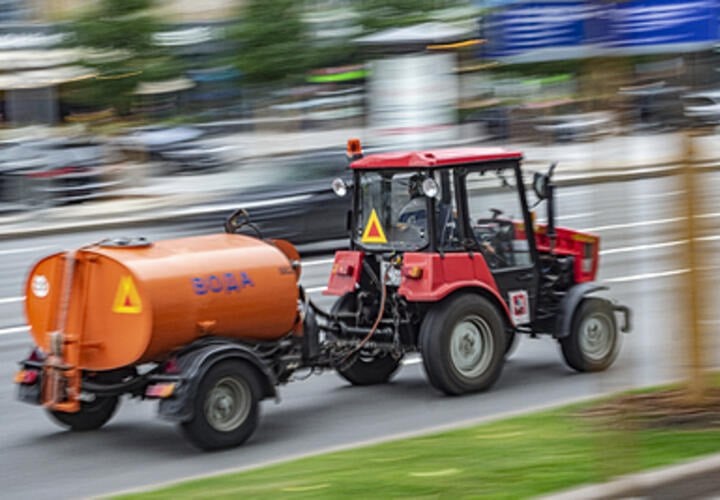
(92, 415)
(463, 345)
(592, 344)
(365, 368)
(226, 407)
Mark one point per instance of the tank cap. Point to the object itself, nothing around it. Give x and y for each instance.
(125, 242)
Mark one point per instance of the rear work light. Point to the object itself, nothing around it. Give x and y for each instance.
(161, 390)
(26, 377)
(413, 272)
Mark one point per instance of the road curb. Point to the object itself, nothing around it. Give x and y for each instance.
(633, 485)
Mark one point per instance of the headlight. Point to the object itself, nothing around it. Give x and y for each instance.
(430, 188)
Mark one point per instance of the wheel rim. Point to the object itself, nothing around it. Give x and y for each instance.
(596, 337)
(227, 404)
(471, 346)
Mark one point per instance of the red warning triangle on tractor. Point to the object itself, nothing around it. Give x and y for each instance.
(373, 230)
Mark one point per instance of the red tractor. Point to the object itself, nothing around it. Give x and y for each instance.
(434, 270)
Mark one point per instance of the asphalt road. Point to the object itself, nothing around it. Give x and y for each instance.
(644, 258)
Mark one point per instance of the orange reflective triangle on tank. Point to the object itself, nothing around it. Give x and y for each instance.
(127, 299)
(373, 230)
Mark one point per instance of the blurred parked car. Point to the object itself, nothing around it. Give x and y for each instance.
(654, 106)
(178, 149)
(53, 172)
(287, 197)
(574, 127)
(702, 108)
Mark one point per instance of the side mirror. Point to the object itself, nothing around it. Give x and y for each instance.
(540, 185)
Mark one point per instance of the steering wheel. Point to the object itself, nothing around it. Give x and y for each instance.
(239, 219)
(495, 237)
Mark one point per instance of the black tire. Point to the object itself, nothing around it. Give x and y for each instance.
(364, 368)
(444, 344)
(587, 349)
(369, 370)
(226, 407)
(92, 415)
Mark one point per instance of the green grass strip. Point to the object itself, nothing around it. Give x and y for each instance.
(515, 458)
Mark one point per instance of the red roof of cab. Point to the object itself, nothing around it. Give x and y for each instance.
(435, 158)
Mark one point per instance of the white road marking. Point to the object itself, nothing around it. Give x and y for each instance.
(661, 195)
(710, 215)
(319, 262)
(642, 223)
(630, 225)
(10, 251)
(646, 276)
(639, 248)
(715, 237)
(11, 300)
(316, 289)
(571, 216)
(14, 329)
(579, 192)
(576, 216)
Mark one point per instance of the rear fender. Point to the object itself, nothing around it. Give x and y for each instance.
(484, 291)
(569, 304)
(195, 364)
(345, 273)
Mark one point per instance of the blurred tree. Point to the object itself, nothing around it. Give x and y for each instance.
(273, 41)
(120, 35)
(382, 14)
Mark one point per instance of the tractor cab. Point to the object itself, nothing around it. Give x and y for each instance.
(422, 202)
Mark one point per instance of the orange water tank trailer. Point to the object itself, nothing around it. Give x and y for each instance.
(128, 304)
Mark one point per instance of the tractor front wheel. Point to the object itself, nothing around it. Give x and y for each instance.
(592, 344)
(463, 345)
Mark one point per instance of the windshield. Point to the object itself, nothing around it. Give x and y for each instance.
(392, 211)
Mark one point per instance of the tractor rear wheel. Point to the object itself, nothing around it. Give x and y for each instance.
(592, 344)
(368, 369)
(226, 407)
(92, 414)
(364, 368)
(511, 343)
(463, 345)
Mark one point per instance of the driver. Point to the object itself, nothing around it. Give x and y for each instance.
(414, 212)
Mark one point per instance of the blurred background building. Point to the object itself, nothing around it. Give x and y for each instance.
(546, 70)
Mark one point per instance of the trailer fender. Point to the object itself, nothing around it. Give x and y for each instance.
(195, 364)
(569, 304)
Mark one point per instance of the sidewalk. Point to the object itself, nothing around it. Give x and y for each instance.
(146, 198)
